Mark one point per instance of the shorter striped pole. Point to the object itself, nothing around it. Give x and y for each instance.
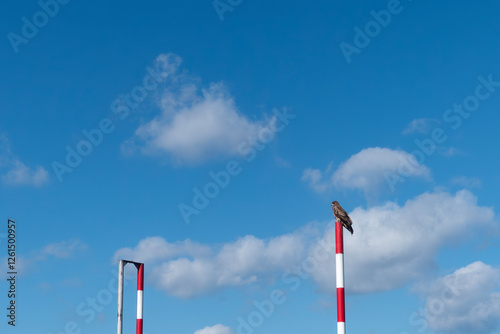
(140, 296)
(339, 261)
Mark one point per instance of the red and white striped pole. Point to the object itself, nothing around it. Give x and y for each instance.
(140, 295)
(339, 260)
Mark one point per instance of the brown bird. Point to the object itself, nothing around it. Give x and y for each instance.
(342, 216)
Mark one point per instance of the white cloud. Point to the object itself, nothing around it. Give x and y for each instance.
(187, 272)
(156, 248)
(62, 250)
(315, 179)
(420, 125)
(282, 163)
(15, 172)
(466, 182)
(20, 174)
(388, 240)
(195, 124)
(449, 151)
(366, 170)
(466, 301)
(245, 261)
(386, 246)
(217, 329)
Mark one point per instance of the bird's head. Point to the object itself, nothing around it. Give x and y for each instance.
(335, 203)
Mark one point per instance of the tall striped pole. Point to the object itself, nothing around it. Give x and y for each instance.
(140, 295)
(339, 260)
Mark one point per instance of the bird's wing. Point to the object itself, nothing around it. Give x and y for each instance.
(340, 213)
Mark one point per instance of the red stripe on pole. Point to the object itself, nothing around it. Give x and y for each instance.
(140, 288)
(339, 243)
(340, 305)
(140, 277)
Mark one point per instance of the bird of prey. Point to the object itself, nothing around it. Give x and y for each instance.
(342, 216)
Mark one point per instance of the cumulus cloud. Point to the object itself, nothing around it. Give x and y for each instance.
(217, 329)
(195, 123)
(188, 269)
(387, 244)
(465, 301)
(420, 125)
(15, 172)
(366, 170)
(245, 261)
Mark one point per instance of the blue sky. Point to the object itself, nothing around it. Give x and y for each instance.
(208, 139)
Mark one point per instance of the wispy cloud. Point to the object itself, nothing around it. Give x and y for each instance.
(420, 125)
(16, 173)
(449, 151)
(59, 250)
(62, 249)
(466, 182)
(20, 174)
(315, 179)
(366, 170)
(195, 124)
(216, 329)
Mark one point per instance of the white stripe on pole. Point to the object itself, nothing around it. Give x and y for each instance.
(341, 327)
(139, 304)
(339, 269)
